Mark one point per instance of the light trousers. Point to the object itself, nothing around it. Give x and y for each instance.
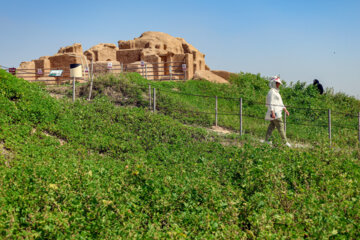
(279, 124)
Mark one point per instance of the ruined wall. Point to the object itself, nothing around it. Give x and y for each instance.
(102, 52)
(128, 56)
(26, 70)
(76, 48)
(156, 49)
(159, 48)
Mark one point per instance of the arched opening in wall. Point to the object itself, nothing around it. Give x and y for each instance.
(195, 67)
(200, 65)
(108, 60)
(165, 46)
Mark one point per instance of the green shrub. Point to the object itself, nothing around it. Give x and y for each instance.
(93, 170)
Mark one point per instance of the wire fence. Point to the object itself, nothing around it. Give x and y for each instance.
(158, 71)
(175, 70)
(295, 121)
(43, 75)
(324, 121)
(324, 118)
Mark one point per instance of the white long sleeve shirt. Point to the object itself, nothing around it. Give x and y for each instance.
(274, 103)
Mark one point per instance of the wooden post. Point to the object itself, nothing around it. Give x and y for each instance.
(216, 111)
(150, 97)
(154, 98)
(241, 117)
(329, 120)
(122, 67)
(73, 90)
(92, 79)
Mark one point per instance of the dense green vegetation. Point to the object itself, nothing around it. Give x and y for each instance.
(97, 170)
(308, 121)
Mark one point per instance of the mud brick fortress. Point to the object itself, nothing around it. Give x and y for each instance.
(156, 50)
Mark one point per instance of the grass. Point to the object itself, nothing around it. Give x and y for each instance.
(96, 170)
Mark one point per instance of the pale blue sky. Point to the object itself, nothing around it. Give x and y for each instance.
(301, 40)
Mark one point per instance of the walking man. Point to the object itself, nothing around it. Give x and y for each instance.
(275, 107)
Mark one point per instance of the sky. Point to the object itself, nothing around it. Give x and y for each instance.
(298, 39)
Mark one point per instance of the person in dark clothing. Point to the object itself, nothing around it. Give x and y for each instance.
(319, 86)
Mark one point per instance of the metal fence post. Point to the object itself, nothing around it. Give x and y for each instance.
(241, 117)
(154, 98)
(146, 71)
(122, 67)
(149, 96)
(170, 71)
(216, 111)
(285, 123)
(359, 127)
(329, 120)
(73, 90)
(92, 79)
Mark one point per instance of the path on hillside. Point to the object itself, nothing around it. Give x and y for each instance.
(223, 131)
(59, 92)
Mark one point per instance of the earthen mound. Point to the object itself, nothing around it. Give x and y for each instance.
(209, 76)
(224, 74)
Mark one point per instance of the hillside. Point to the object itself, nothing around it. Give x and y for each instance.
(111, 169)
(193, 102)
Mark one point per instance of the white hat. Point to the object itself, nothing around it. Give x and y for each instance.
(276, 79)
